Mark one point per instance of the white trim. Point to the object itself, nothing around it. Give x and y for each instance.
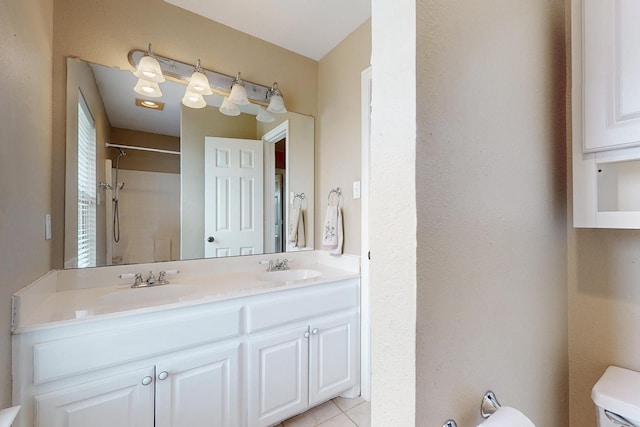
(131, 147)
(365, 333)
(270, 139)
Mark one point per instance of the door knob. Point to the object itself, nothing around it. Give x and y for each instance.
(163, 375)
(210, 239)
(147, 380)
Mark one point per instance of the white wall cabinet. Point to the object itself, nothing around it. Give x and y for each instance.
(196, 389)
(245, 362)
(605, 112)
(294, 369)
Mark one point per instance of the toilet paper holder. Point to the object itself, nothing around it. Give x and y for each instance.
(489, 405)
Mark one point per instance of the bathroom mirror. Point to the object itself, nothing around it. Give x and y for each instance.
(150, 196)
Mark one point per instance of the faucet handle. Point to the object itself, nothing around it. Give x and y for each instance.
(138, 280)
(151, 279)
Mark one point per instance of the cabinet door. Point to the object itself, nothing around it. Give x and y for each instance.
(124, 400)
(199, 388)
(334, 354)
(611, 64)
(278, 376)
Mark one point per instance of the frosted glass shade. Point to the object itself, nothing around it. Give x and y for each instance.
(238, 95)
(228, 108)
(276, 105)
(264, 116)
(199, 84)
(193, 100)
(148, 88)
(149, 69)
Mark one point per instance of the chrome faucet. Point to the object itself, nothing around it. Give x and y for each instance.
(277, 264)
(151, 280)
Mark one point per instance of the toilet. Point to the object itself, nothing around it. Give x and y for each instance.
(617, 398)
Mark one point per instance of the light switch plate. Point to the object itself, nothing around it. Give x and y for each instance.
(47, 226)
(356, 189)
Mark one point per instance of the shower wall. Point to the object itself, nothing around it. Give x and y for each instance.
(149, 210)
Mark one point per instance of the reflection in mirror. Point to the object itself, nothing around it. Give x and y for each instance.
(171, 182)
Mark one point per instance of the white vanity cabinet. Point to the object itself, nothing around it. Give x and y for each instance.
(195, 389)
(173, 368)
(242, 362)
(294, 368)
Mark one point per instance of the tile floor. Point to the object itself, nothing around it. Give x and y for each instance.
(339, 412)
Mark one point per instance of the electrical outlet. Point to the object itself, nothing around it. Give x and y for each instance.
(356, 189)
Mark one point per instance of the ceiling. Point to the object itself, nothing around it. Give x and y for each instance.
(323, 23)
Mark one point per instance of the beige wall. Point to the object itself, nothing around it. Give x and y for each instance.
(338, 133)
(25, 156)
(492, 301)
(104, 32)
(145, 160)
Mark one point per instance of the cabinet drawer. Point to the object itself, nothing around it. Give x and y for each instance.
(57, 359)
(281, 308)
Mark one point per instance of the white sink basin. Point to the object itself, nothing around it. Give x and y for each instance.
(289, 275)
(147, 295)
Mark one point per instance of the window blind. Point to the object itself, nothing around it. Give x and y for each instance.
(87, 233)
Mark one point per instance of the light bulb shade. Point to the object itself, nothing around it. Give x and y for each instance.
(228, 108)
(238, 94)
(264, 116)
(193, 100)
(149, 69)
(148, 88)
(276, 105)
(199, 83)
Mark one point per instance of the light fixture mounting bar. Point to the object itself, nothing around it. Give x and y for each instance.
(221, 83)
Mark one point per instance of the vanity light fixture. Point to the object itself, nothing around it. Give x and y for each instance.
(238, 93)
(198, 83)
(264, 116)
(196, 89)
(276, 103)
(202, 82)
(148, 88)
(228, 108)
(149, 68)
(193, 100)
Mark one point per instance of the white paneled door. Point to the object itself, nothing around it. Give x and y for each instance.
(233, 197)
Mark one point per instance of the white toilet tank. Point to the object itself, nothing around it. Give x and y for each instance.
(617, 398)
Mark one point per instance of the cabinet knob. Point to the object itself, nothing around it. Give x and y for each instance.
(306, 334)
(163, 375)
(147, 380)
(315, 331)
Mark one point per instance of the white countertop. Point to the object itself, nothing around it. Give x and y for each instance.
(52, 301)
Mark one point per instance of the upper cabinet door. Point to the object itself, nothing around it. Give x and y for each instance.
(611, 83)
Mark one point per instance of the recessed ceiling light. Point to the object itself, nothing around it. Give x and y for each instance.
(153, 105)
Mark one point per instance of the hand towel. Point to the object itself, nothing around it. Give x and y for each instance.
(296, 228)
(333, 234)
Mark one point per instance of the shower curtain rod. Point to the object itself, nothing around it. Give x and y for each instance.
(131, 147)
